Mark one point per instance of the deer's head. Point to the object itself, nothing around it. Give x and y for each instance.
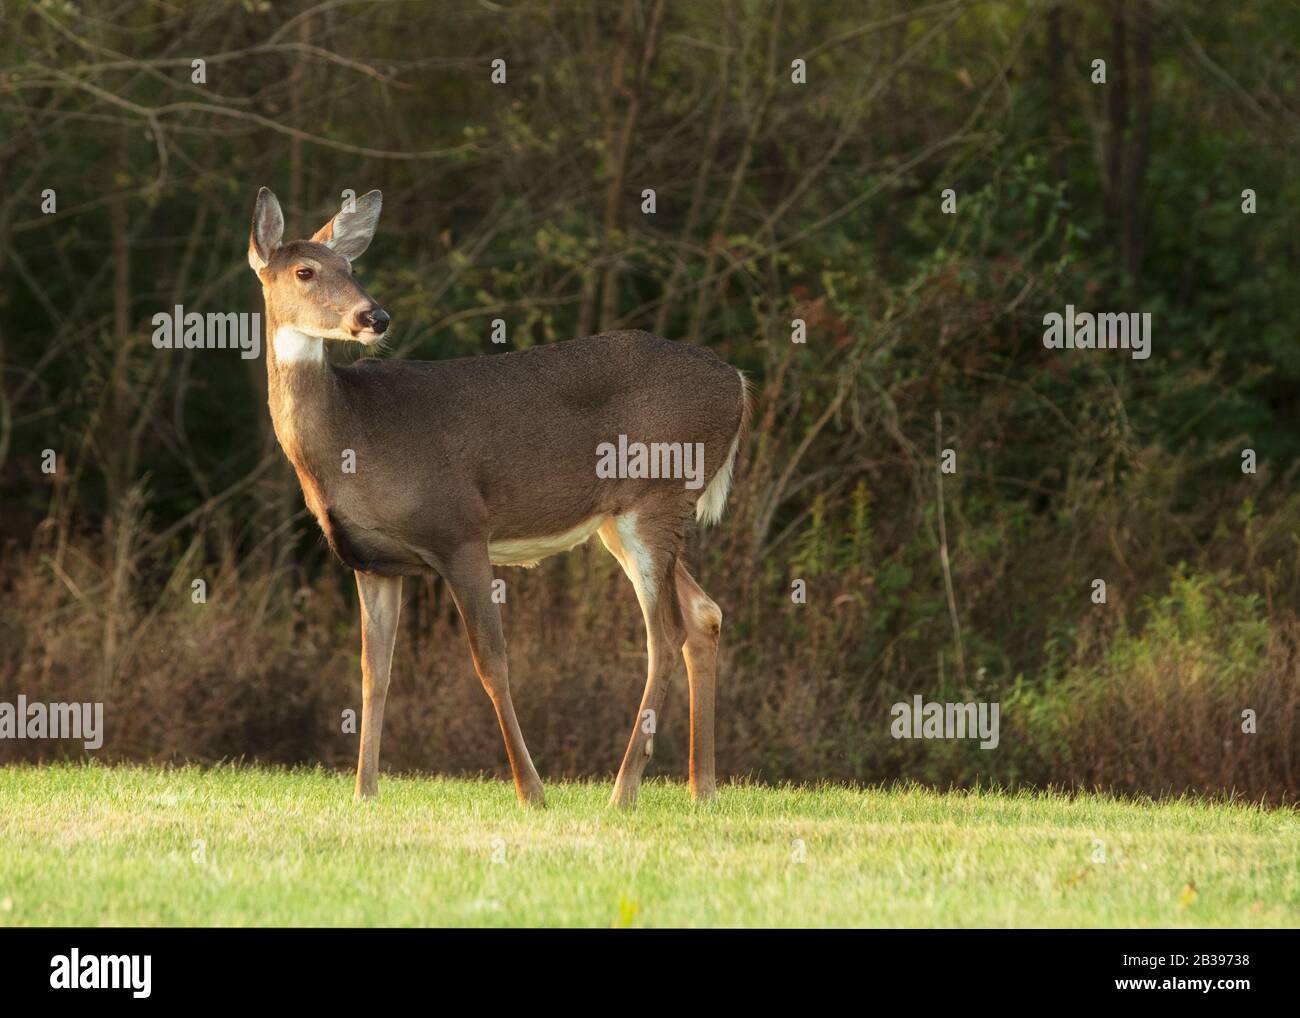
(308, 284)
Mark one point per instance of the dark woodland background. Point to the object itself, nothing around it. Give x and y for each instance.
(775, 201)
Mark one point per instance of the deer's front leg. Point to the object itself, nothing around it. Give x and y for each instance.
(381, 602)
(469, 575)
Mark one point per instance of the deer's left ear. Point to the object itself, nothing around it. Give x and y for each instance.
(350, 232)
(267, 231)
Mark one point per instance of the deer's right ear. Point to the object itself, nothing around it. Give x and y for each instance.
(349, 233)
(268, 230)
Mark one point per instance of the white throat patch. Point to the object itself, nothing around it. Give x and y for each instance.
(294, 347)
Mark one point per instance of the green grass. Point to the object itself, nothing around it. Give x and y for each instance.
(119, 846)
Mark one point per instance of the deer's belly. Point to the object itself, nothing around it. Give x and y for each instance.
(528, 551)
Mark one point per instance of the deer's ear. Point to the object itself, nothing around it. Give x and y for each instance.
(349, 233)
(267, 232)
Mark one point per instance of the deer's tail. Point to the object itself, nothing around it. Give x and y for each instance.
(712, 504)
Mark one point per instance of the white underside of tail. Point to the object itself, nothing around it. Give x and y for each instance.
(712, 504)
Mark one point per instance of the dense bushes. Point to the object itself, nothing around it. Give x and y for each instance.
(1152, 705)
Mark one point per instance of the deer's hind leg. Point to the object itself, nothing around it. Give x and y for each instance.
(647, 548)
(703, 620)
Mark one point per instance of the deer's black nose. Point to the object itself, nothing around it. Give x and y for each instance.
(375, 319)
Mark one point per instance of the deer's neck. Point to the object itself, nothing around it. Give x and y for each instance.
(303, 396)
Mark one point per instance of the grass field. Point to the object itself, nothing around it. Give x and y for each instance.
(240, 846)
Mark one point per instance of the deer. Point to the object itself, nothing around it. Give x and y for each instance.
(461, 465)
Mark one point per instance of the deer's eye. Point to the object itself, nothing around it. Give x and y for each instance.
(304, 274)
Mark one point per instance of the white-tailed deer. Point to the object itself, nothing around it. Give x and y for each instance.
(459, 465)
